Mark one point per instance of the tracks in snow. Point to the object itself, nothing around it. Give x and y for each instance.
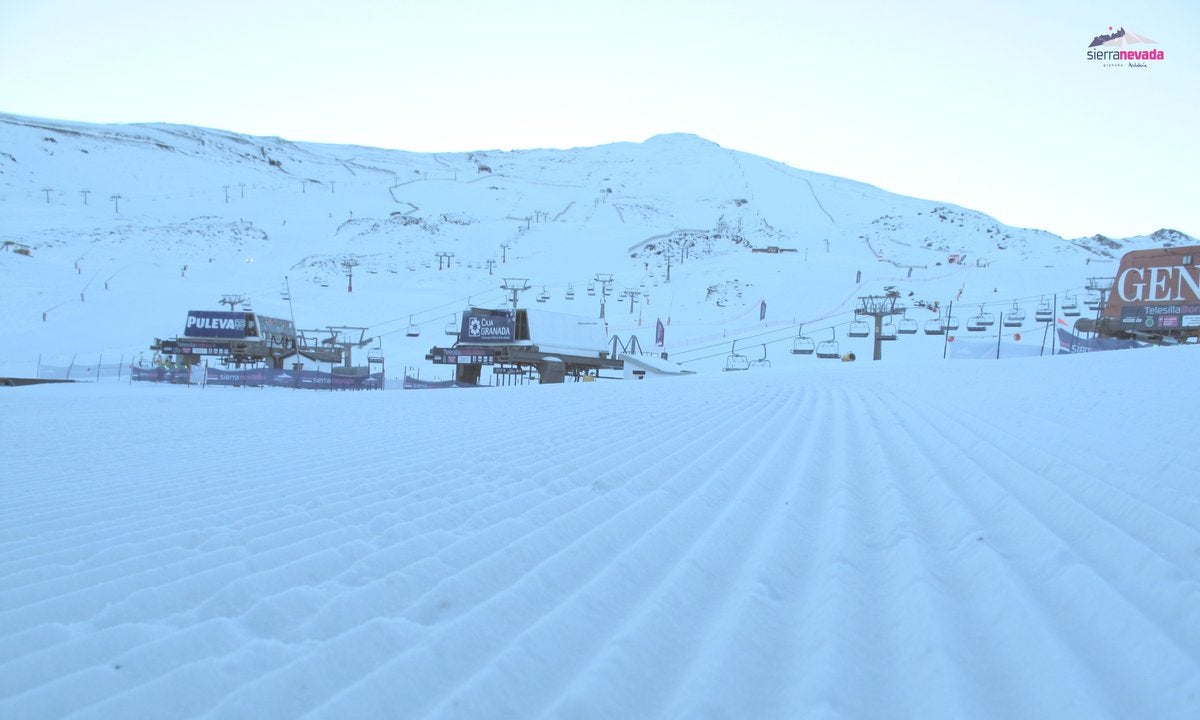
(778, 545)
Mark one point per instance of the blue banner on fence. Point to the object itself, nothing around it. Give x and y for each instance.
(1070, 343)
(412, 383)
(180, 376)
(307, 379)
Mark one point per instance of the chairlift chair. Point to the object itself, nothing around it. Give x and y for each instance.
(1044, 312)
(803, 345)
(951, 323)
(1070, 307)
(887, 331)
(828, 349)
(591, 289)
(986, 319)
(906, 326)
(413, 330)
(859, 329)
(762, 361)
(1015, 317)
(570, 292)
(1092, 300)
(736, 361)
(452, 328)
(543, 296)
(935, 326)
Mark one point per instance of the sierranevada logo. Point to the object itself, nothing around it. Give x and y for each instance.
(1114, 49)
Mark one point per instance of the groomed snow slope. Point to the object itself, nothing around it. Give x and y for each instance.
(1004, 539)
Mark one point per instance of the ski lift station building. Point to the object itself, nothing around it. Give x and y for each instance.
(554, 345)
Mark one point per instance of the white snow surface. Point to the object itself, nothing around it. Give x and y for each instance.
(1004, 539)
(916, 537)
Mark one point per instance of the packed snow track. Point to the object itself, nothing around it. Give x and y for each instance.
(990, 539)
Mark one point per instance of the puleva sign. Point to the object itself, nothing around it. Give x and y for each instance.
(215, 323)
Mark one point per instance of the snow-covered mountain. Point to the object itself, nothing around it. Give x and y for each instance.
(917, 537)
(130, 226)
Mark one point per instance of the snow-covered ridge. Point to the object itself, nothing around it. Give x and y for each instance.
(194, 213)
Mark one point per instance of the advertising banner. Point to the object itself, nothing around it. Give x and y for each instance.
(412, 383)
(989, 349)
(307, 379)
(179, 376)
(1157, 291)
(1070, 343)
(660, 334)
(488, 326)
(275, 326)
(215, 323)
(1169, 316)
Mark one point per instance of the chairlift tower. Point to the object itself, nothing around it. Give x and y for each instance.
(516, 286)
(343, 337)
(232, 301)
(1102, 286)
(633, 296)
(348, 266)
(605, 280)
(879, 307)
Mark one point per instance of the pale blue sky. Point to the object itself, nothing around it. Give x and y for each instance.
(989, 105)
